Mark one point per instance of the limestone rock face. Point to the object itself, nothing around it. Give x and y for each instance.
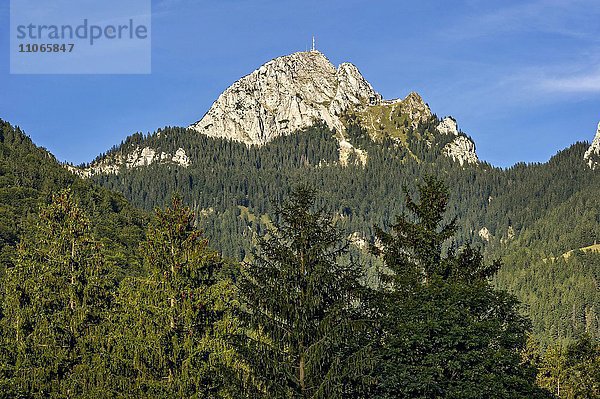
(462, 148)
(287, 94)
(359, 241)
(180, 158)
(347, 150)
(136, 158)
(448, 125)
(417, 110)
(485, 234)
(592, 155)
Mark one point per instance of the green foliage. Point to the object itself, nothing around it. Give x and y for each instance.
(174, 320)
(56, 298)
(531, 211)
(414, 250)
(445, 332)
(30, 176)
(571, 372)
(302, 301)
(88, 312)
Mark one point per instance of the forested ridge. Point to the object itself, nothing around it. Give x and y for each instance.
(30, 176)
(100, 299)
(533, 212)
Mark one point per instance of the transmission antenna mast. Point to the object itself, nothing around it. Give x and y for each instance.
(313, 43)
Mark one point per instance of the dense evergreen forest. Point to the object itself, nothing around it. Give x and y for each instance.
(100, 299)
(534, 213)
(29, 176)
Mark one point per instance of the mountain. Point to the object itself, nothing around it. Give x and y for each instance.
(284, 95)
(296, 91)
(299, 119)
(127, 334)
(288, 94)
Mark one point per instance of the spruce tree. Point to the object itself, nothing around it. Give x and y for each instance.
(445, 331)
(56, 298)
(302, 299)
(571, 371)
(174, 321)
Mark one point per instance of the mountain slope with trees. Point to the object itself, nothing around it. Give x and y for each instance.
(522, 215)
(163, 315)
(30, 175)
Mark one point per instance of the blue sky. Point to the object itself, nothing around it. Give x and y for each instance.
(521, 77)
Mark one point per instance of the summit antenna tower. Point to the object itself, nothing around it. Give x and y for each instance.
(313, 44)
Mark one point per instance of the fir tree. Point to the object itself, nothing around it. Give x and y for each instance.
(56, 298)
(302, 298)
(445, 332)
(175, 320)
(571, 371)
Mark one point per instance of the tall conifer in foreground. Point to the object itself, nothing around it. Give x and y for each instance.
(174, 320)
(56, 297)
(302, 299)
(445, 331)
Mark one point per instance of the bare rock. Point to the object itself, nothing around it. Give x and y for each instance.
(286, 94)
(592, 155)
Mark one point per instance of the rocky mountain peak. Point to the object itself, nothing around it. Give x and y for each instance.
(295, 91)
(291, 93)
(592, 155)
(284, 95)
(416, 108)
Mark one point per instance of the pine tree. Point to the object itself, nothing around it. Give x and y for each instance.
(175, 320)
(302, 298)
(56, 298)
(445, 332)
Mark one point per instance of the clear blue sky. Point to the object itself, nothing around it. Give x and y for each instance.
(521, 77)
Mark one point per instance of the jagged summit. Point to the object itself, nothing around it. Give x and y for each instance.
(295, 91)
(462, 148)
(284, 95)
(291, 93)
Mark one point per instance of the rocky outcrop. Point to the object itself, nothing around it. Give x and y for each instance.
(347, 150)
(448, 125)
(136, 158)
(359, 241)
(179, 158)
(414, 107)
(462, 148)
(485, 234)
(394, 118)
(284, 95)
(592, 155)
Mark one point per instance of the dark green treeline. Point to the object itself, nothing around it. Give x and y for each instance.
(295, 321)
(534, 213)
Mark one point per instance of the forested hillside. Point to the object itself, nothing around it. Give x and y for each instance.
(525, 215)
(101, 300)
(30, 175)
